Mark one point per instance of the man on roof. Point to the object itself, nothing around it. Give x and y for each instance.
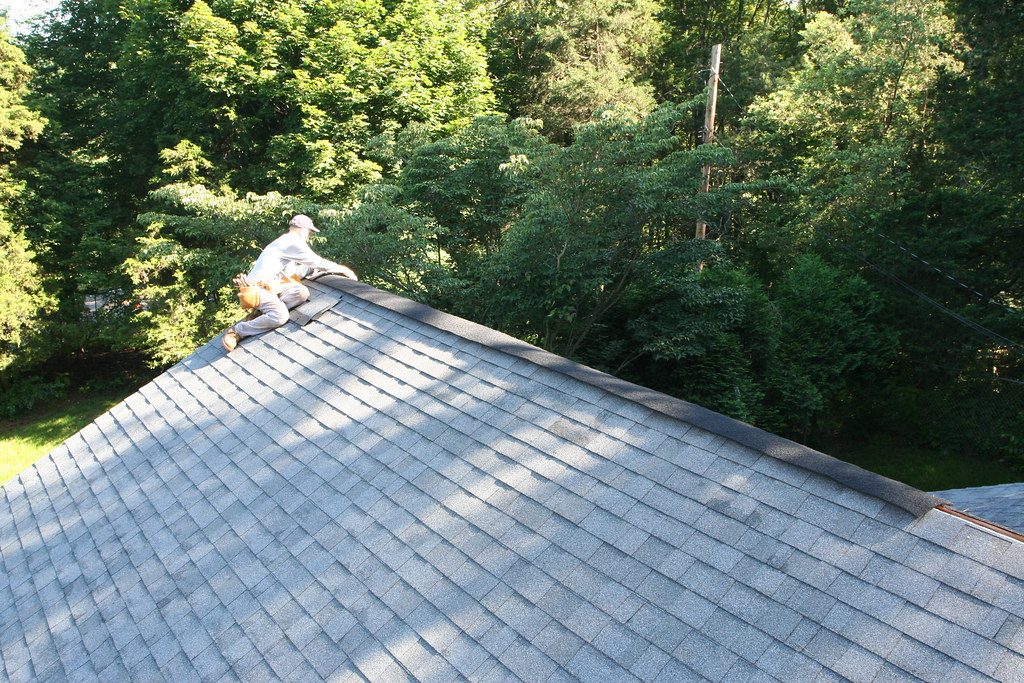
(274, 284)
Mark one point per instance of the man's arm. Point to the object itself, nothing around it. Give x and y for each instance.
(342, 270)
(303, 254)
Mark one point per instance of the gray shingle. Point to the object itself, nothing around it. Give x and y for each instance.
(871, 634)
(621, 644)
(559, 643)
(1011, 633)
(704, 656)
(937, 527)
(377, 498)
(803, 633)
(651, 664)
(961, 673)
(1011, 562)
(978, 652)
(574, 612)
(1011, 668)
(528, 579)
(879, 603)
(920, 660)
(178, 669)
(659, 627)
(497, 639)
(777, 661)
(209, 664)
(527, 662)
(707, 581)
(591, 665)
(827, 648)
(466, 655)
(743, 672)
(960, 608)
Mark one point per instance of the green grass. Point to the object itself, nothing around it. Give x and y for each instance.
(30, 437)
(925, 469)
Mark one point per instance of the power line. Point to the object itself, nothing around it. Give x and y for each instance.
(963, 320)
(730, 92)
(734, 99)
(985, 376)
(951, 278)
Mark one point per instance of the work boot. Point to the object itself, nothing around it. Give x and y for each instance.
(230, 340)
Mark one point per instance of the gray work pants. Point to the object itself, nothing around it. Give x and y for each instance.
(274, 309)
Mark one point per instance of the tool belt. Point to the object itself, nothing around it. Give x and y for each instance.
(249, 292)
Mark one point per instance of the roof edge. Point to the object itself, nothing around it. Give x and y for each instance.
(984, 523)
(902, 495)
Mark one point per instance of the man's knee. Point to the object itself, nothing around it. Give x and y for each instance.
(295, 295)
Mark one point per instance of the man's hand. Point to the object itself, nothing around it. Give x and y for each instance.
(338, 269)
(347, 272)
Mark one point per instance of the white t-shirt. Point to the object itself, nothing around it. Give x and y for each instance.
(288, 255)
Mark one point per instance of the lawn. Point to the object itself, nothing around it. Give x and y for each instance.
(28, 438)
(925, 469)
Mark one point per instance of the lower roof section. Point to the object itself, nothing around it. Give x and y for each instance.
(365, 495)
(1002, 504)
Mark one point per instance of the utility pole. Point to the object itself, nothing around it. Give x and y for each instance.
(709, 125)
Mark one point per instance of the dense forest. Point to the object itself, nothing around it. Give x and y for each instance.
(537, 166)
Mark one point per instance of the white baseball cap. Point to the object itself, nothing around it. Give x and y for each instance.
(302, 221)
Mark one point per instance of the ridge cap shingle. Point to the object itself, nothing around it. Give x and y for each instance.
(901, 495)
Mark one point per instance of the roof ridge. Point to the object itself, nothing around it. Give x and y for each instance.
(901, 495)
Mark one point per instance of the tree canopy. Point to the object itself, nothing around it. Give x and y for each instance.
(21, 295)
(536, 166)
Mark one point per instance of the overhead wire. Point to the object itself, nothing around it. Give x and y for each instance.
(972, 324)
(730, 92)
(964, 320)
(969, 323)
(946, 275)
(987, 376)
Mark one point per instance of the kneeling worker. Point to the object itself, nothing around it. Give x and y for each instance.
(274, 283)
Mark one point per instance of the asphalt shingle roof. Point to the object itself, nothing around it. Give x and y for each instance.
(381, 491)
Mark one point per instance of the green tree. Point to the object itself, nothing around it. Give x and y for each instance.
(243, 96)
(561, 61)
(694, 325)
(82, 191)
(18, 122)
(21, 296)
(623, 188)
(831, 340)
(843, 125)
(390, 246)
(285, 96)
(474, 183)
(973, 212)
(21, 299)
(759, 39)
(894, 165)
